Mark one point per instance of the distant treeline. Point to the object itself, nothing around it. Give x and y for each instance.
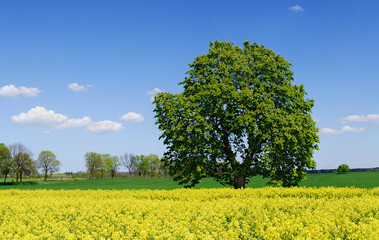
(350, 170)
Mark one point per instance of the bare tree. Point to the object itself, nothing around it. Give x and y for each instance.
(21, 159)
(129, 162)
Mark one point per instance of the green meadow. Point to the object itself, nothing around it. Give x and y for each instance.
(351, 179)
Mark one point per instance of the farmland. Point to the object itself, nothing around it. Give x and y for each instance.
(159, 209)
(352, 179)
(263, 213)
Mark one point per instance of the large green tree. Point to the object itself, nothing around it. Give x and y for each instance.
(238, 116)
(5, 161)
(47, 161)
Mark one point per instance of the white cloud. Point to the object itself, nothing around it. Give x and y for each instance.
(361, 118)
(132, 117)
(154, 92)
(13, 91)
(78, 88)
(105, 126)
(73, 123)
(39, 116)
(344, 129)
(296, 8)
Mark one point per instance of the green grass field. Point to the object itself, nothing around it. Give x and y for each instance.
(352, 179)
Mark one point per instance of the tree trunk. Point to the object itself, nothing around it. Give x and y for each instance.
(20, 176)
(240, 182)
(5, 178)
(45, 175)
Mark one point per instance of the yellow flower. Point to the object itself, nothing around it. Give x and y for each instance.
(266, 213)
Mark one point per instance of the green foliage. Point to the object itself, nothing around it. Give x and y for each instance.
(5, 161)
(27, 166)
(239, 116)
(112, 165)
(22, 163)
(343, 168)
(47, 161)
(98, 165)
(143, 165)
(154, 165)
(94, 164)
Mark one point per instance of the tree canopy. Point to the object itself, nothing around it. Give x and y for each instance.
(238, 116)
(343, 168)
(5, 161)
(22, 162)
(112, 164)
(47, 161)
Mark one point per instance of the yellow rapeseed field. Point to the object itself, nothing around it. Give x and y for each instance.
(266, 213)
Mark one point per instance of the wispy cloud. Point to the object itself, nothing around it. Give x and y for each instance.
(79, 88)
(132, 117)
(361, 118)
(40, 116)
(296, 8)
(344, 129)
(154, 92)
(13, 91)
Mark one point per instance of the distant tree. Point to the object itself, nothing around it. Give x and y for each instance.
(21, 159)
(47, 161)
(81, 174)
(155, 164)
(94, 164)
(32, 168)
(104, 169)
(163, 168)
(143, 165)
(129, 162)
(5, 161)
(343, 168)
(27, 165)
(112, 165)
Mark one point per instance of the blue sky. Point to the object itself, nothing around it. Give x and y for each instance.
(78, 76)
